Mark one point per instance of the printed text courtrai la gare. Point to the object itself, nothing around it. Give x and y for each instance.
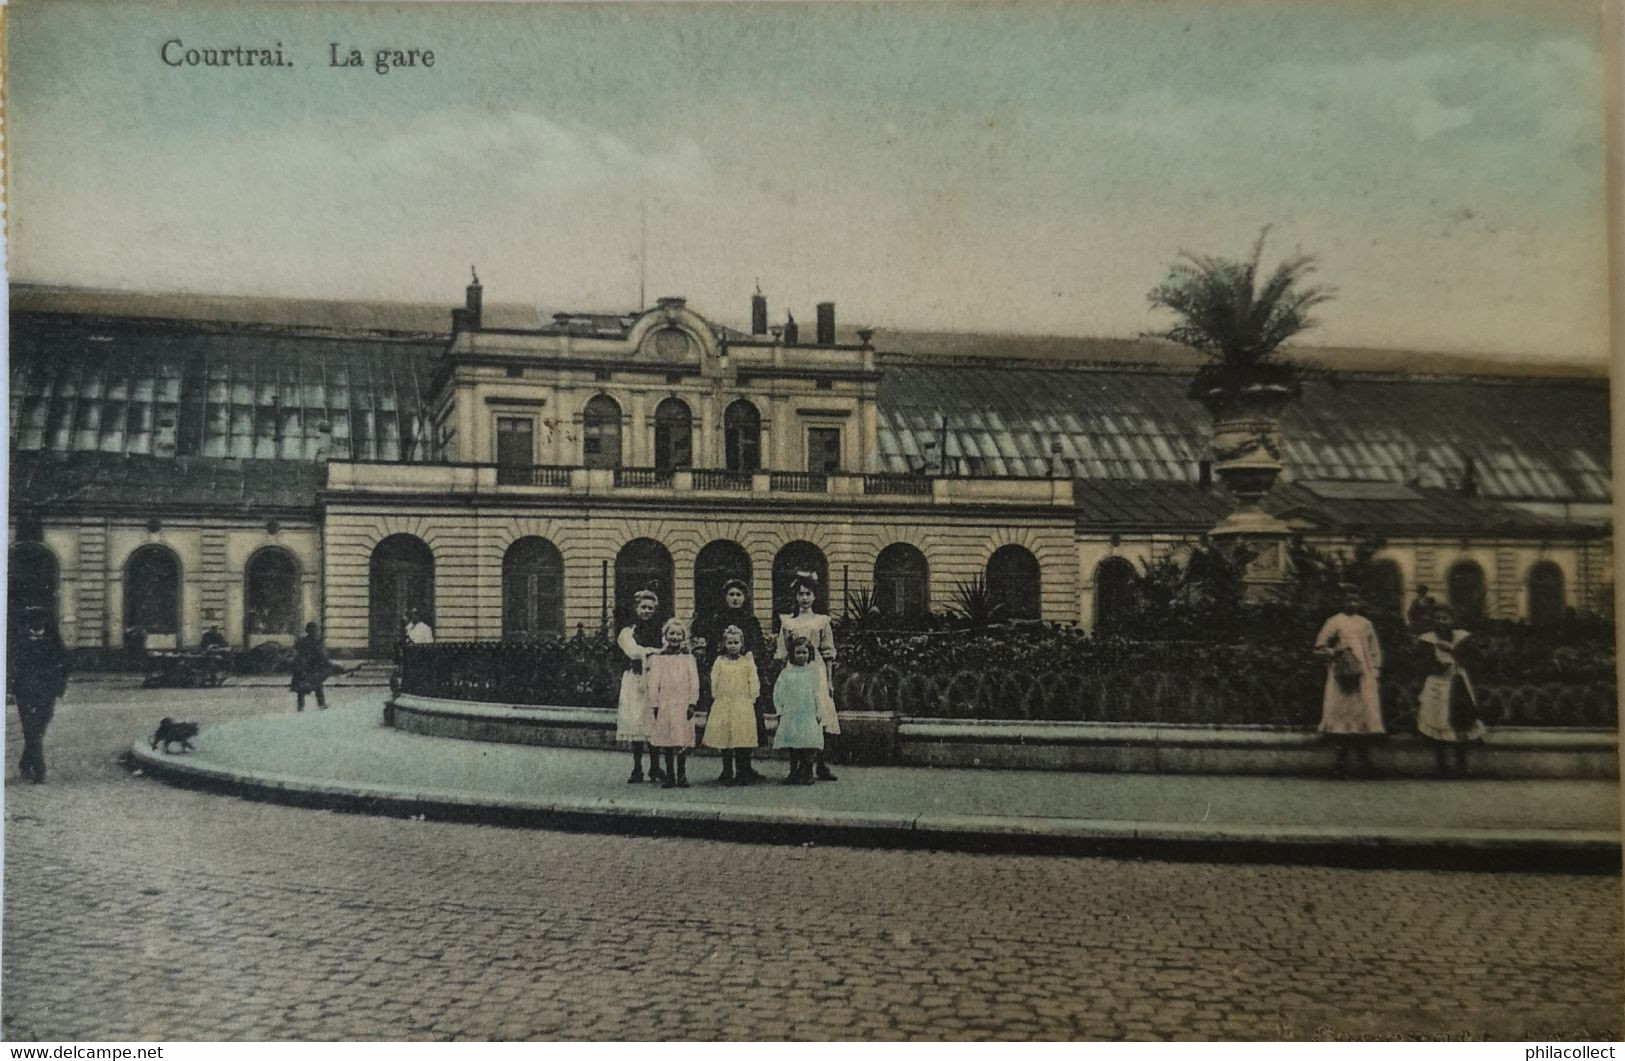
(176, 52)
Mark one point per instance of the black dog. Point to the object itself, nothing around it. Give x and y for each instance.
(170, 731)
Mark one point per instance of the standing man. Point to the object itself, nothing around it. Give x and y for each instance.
(311, 667)
(1419, 617)
(38, 673)
(418, 632)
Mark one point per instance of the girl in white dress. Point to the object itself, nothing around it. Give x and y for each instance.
(1449, 686)
(634, 721)
(1351, 709)
(814, 628)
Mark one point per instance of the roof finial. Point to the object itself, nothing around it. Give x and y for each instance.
(475, 273)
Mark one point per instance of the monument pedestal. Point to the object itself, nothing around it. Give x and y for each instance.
(1249, 531)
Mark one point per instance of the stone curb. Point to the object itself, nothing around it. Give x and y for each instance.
(1534, 850)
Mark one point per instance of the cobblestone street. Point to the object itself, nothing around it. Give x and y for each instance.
(139, 911)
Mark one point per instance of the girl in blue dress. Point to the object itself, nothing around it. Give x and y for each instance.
(796, 697)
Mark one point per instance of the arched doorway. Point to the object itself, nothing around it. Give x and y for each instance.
(601, 433)
(152, 596)
(400, 581)
(674, 435)
(642, 563)
(32, 577)
(271, 597)
(1116, 593)
(1547, 603)
(1383, 586)
(742, 437)
(532, 590)
(799, 556)
(902, 582)
(1466, 589)
(1014, 584)
(717, 563)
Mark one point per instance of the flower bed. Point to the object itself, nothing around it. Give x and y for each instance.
(1043, 672)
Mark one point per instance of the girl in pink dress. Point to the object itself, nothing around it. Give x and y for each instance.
(674, 689)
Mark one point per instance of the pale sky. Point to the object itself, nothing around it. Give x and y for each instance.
(1022, 167)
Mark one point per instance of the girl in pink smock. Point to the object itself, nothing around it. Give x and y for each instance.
(674, 689)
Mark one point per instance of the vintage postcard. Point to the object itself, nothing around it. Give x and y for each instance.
(810, 521)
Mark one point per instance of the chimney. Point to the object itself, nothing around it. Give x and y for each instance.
(1469, 479)
(468, 318)
(791, 332)
(758, 312)
(826, 324)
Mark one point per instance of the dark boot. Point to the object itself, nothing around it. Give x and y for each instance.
(794, 777)
(1341, 769)
(1441, 763)
(727, 777)
(637, 765)
(1461, 760)
(747, 772)
(823, 769)
(682, 769)
(655, 773)
(668, 778)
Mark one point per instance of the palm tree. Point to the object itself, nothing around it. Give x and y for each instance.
(1239, 323)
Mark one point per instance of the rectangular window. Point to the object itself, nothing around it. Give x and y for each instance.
(823, 450)
(516, 441)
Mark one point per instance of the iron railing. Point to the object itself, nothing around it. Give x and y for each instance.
(643, 477)
(897, 483)
(717, 479)
(799, 482)
(533, 475)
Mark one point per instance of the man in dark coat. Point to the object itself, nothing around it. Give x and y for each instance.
(37, 670)
(1419, 617)
(311, 667)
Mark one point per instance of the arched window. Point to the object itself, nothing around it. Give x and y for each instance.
(601, 433)
(1383, 587)
(902, 581)
(799, 556)
(1546, 599)
(1467, 591)
(532, 590)
(742, 437)
(31, 581)
(716, 564)
(642, 563)
(1013, 583)
(1116, 593)
(674, 435)
(400, 581)
(152, 594)
(272, 595)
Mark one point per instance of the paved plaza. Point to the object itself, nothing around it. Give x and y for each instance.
(134, 910)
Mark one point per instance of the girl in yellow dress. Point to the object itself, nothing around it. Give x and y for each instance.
(731, 727)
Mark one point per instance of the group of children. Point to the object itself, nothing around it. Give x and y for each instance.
(661, 688)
